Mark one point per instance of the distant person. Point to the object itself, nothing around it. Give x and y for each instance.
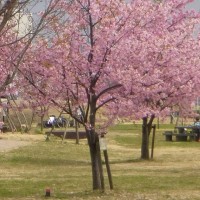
(197, 123)
(1, 126)
(51, 119)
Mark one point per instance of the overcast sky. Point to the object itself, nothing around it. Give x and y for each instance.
(195, 5)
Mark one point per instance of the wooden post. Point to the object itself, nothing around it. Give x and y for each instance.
(153, 140)
(103, 147)
(100, 166)
(108, 169)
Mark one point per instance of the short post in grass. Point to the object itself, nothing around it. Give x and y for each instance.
(47, 192)
(103, 147)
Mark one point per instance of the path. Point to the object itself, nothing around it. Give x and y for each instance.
(13, 141)
(7, 145)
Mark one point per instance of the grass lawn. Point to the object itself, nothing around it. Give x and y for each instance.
(173, 174)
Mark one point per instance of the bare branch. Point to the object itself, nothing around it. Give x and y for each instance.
(105, 102)
(115, 86)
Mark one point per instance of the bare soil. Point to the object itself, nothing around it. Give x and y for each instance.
(9, 141)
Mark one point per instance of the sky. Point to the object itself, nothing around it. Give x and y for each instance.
(195, 5)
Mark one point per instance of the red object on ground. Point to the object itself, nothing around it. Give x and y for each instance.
(48, 192)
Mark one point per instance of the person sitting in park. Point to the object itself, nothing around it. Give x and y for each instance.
(197, 123)
(1, 126)
(51, 119)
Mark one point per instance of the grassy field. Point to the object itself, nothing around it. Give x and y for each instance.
(173, 174)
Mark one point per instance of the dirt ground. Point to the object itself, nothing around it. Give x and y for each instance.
(9, 141)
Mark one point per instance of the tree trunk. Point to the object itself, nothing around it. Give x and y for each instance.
(77, 133)
(95, 154)
(146, 130)
(32, 118)
(145, 140)
(171, 119)
(93, 141)
(42, 124)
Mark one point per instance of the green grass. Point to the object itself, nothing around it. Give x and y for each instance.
(65, 168)
(29, 170)
(125, 128)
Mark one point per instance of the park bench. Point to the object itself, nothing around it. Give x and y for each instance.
(179, 136)
(168, 135)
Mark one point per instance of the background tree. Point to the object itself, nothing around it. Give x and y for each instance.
(167, 61)
(18, 28)
(20, 24)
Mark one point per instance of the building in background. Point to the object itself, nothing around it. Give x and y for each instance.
(24, 24)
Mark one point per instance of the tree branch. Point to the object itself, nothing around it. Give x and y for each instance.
(108, 89)
(105, 102)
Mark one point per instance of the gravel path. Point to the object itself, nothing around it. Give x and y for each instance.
(14, 141)
(7, 145)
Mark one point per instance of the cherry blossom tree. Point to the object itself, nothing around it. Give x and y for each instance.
(21, 21)
(168, 53)
(18, 28)
(76, 67)
(140, 55)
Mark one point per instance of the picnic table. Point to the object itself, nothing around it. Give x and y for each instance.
(183, 133)
(68, 135)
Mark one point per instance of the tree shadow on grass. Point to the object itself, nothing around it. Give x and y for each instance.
(49, 161)
(137, 160)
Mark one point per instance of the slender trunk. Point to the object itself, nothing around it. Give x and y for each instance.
(26, 122)
(146, 130)
(77, 133)
(171, 119)
(11, 124)
(158, 123)
(32, 118)
(22, 128)
(42, 124)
